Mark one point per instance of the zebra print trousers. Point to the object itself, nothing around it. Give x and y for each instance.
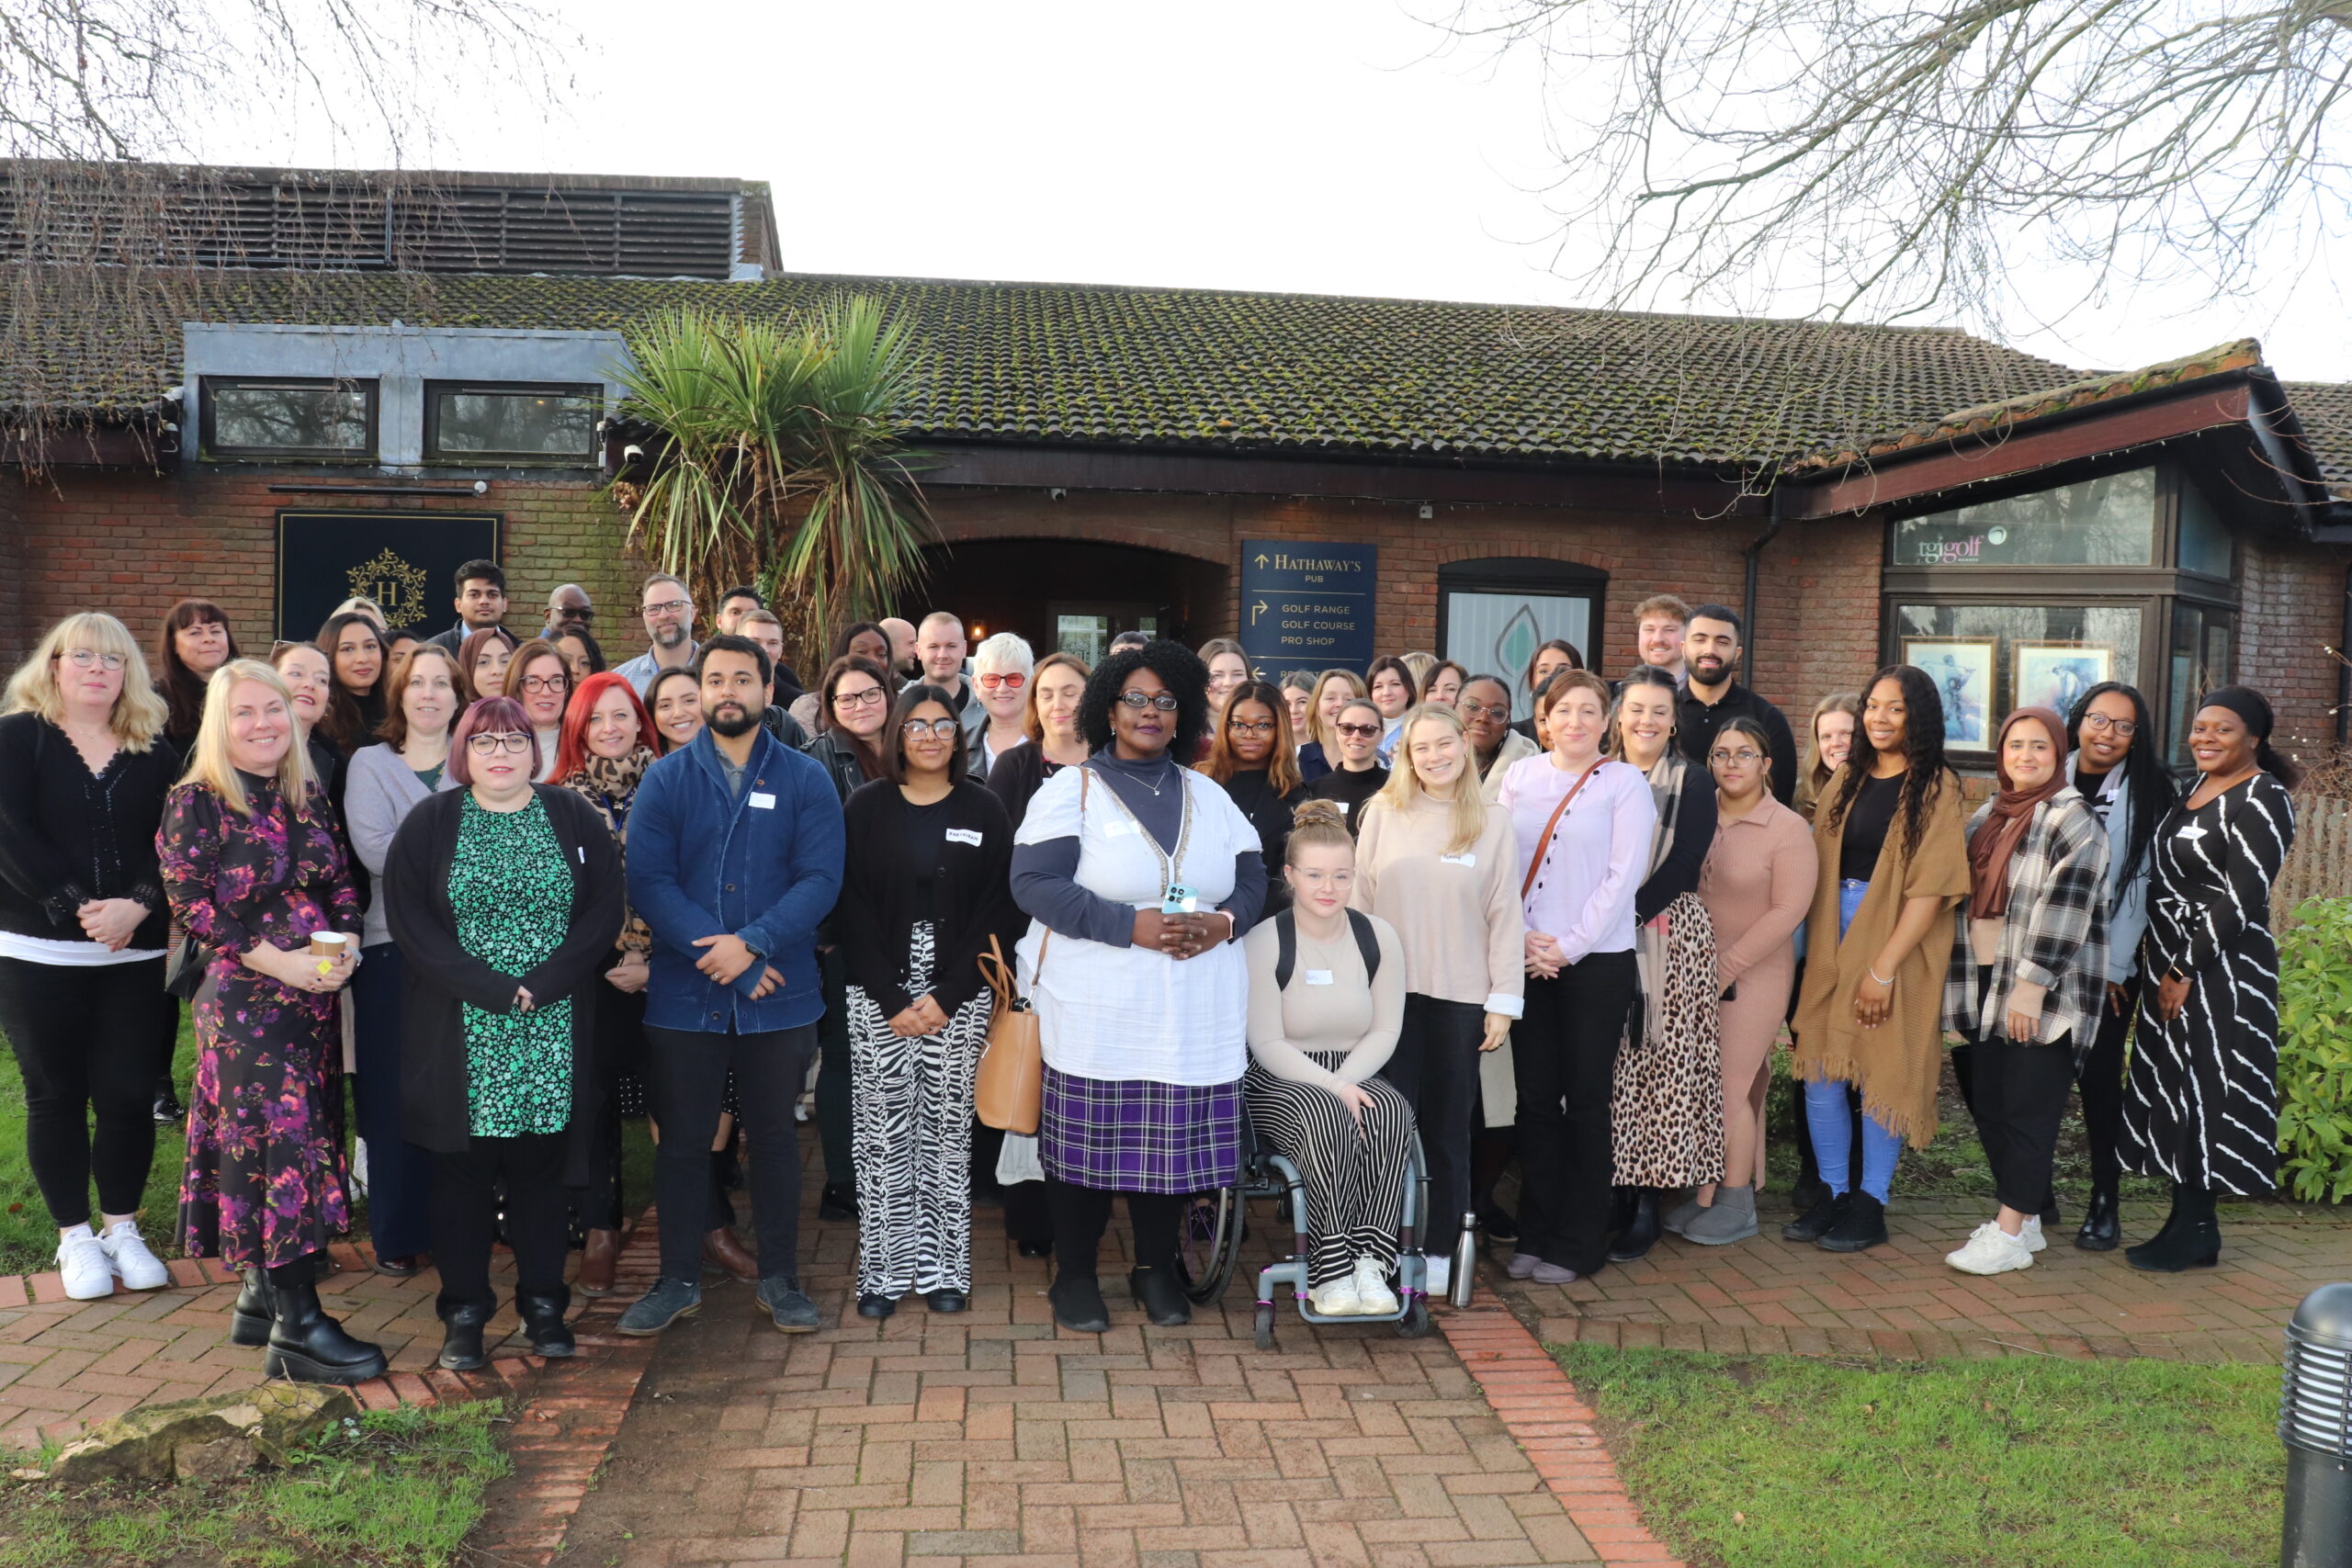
(1354, 1177)
(911, 1137)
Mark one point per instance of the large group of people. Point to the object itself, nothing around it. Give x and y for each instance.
(520, 897)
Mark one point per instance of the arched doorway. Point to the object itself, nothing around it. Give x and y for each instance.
(1071, 594)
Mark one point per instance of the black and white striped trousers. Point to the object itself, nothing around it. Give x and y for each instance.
(911, 1136)
(1354, 1177)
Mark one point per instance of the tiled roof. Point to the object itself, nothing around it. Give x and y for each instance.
(1175, 367)
(2324, 408)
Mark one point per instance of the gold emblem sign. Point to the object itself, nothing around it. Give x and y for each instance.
(393, 583)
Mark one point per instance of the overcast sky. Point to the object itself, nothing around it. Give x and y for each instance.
(1325, 146)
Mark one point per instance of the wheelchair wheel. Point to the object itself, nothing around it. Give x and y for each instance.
(1265, 1325)
(1415, 1321)
(1208, 1244)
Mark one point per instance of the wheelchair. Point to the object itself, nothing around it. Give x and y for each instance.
(1216, 1223)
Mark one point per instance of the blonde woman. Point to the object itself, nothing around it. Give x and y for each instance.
(1834, 718)
(254, 868)
(1434, 862)
(1334, 688)
(83, 771)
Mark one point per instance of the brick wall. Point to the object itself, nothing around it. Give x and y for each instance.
(2293, 613)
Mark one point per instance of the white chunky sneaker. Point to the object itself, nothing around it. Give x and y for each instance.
(1991, 1250)
(2034, 1240)
(81, 1260)
(127, 1253)
(1335, 1297)
(1440, 1277)
(1376, 1299)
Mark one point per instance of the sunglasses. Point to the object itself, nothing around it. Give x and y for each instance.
(1012, 682)
(1361, 732)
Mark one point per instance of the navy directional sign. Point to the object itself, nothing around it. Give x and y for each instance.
(1307, 605)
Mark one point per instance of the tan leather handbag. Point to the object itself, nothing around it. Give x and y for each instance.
(1011, 1084)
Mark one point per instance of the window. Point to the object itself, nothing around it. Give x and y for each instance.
(1988, 659)
(256, 417)
(2110, 521)
(1494, 614)
(2205, 542)
(510, 424)
(1084, 631)
(2198, 659)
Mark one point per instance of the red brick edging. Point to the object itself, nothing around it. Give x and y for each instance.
(1552, 1424)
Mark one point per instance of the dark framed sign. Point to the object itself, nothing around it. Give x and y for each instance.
(404, 560)
(1307, 606)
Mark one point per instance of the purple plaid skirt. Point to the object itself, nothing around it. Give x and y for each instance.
(1138, 1135)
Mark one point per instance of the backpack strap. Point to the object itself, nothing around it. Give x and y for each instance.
(1367, 942)
(1285, 949)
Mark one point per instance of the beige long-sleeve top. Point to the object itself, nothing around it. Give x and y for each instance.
(1456, 913)
(1328, 1006)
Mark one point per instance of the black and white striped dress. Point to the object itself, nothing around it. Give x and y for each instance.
(2200, 1100)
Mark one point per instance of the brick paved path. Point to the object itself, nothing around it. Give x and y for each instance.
(1769, 1295)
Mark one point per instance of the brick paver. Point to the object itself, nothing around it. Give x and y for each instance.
(1767, 1295)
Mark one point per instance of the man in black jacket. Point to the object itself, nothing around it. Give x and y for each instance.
(1711, 652)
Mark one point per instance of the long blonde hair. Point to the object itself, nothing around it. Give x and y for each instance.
(138, 713)
(1403, 785)
(1316, 731)
(208, 759)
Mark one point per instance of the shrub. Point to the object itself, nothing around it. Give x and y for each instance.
(2315, 1053)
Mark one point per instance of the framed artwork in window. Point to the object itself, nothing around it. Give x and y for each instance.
(1962, 669)
(2056, 674)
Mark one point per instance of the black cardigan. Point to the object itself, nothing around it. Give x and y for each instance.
(67, 835)
(908, 862)
(440, 974)
(1018, 775)
(1253, 791)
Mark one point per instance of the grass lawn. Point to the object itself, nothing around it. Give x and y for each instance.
(1797, 1462)
(399, 1490)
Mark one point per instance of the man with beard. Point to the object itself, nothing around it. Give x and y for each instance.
(735, 857)
(1710, 650)
(669, 612)
(904, 664)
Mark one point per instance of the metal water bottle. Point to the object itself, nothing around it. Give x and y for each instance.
(1466, 1262)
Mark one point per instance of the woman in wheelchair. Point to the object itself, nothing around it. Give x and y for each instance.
(1326, 997)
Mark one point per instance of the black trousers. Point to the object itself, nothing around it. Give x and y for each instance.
(685, 1076)
(833, 1073)
(400, 1175)
(620, 1047)
(84, 1041)
(1435, 1067)
(465, 1212)
(1565, 1057)
(2018, 1094)
(1082, 1214)
(2101, 1078)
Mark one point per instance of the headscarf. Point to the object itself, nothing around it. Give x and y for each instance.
(1999, 836)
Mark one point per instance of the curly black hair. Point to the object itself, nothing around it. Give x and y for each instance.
(1923, 751)
(1179, 669)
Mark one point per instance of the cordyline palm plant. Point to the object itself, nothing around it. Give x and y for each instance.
(779, 460)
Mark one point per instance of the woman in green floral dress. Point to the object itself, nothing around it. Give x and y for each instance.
(503, 897)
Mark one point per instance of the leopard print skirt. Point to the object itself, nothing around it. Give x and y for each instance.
(1666, 1105)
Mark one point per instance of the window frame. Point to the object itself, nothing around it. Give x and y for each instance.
(436, 390)
(1540, 576)
(368, 387)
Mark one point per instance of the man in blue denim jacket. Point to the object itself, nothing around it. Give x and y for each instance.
(734, 856)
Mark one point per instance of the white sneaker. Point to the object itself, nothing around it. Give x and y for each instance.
(1373, 1297)
(1441, 1276)
(1335, 1297)
(81, 1260)
(2034, 1240)
(1991, 1250)
(137, 1267)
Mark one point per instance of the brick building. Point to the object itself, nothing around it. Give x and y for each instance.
(1101, 457)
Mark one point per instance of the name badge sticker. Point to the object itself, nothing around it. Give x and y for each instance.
(964, 836)
(1318, 976)
(1464, 858)
(1118, 829)
(762, 801)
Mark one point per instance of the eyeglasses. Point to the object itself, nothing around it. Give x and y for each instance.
(2124, 728)
(546, 682)
(1012, 682)
(668, 606)
(1745, 755)
(490, 745)
(1361, 732)
(1470, 709)
(916, 728)
(1164, 701)
(84, 658)
(870, 697)
(1253, 727)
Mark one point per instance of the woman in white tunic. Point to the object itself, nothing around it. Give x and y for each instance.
(1139, 876)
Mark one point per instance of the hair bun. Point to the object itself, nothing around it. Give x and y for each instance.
(1319, 814)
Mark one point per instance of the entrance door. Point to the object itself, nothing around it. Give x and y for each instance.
(1084, 631)
(1071, 593)
(1494, 613)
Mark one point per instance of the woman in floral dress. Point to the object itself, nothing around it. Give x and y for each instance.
(251, 866)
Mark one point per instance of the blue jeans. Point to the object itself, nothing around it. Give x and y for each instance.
(1827, 1114)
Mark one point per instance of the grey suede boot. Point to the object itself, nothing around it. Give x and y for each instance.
(1682, 1214)
(1731, 1217)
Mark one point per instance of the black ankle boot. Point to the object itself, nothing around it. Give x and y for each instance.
(1861, 1225)
(1163, 1299)
(1078, 1303)
(543, 1323)
(1642, 1229)
(2102, 1229)
(305, 1344)
(2192, 1241)
(461, 1336)
(250, 1318)
(1819, 1216)
(1620, 1208)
